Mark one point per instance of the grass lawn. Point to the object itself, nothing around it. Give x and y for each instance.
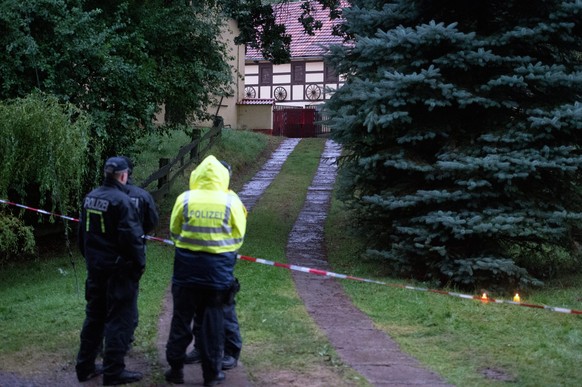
(41, 311)
(468, 342)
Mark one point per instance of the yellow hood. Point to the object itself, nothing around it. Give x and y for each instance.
(210, 175)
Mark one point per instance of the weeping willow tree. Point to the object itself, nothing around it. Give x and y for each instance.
(44, 146)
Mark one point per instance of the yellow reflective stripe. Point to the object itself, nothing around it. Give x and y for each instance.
(227, 211)
(207, 230)
(100, 214)
(225, 228)
(185, 209)
(207, 243)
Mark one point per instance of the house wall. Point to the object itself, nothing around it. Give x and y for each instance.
(256, 117)
(228, 107)
(302, 82)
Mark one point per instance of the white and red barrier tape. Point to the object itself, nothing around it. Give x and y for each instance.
(483, 298)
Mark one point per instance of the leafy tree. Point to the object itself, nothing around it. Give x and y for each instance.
(44, 144)
(16, 239)
(121, 60)
(462, 122)
(257, 21)
(57, 47)
(118, 61)
(186, 61)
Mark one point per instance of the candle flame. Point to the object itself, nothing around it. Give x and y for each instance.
(516, 298)
(484, 296)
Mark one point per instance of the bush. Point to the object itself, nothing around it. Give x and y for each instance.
(16, 239)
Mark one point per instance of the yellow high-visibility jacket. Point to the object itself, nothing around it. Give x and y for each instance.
(209, 217)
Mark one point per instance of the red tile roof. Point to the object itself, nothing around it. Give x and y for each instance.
(302, 44)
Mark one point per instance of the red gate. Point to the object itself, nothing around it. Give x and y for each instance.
(294, 122)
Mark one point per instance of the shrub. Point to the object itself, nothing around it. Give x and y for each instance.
(16, 239)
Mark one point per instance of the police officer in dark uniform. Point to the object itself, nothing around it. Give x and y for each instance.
(110, 239)
(146, 206)
(147, 214)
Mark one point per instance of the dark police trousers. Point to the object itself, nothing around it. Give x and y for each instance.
(232, 339)
(209, 303)
(110, 316)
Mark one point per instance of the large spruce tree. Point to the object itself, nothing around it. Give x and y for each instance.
(462, 124)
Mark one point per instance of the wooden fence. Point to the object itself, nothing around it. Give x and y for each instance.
(188, 154)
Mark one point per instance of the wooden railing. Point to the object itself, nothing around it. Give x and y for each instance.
(188, 154)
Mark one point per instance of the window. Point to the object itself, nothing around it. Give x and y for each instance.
(298, 73)
(265, 74)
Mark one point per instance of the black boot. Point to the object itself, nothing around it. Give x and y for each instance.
(216, 380)
(228, 363)
(175, 375)
(123, 378)
(193, 357)
(83, 376)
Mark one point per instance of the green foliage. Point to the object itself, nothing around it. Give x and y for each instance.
(191, 69)
(258, 29)
(547, 262)
(116, 61)
(16, 239)
(59, 48)
(257, 22)
(461, 124)
(44, 151)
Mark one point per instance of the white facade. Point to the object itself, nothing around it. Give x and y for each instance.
(299, 83)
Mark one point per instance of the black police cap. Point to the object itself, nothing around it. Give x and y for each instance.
(115, 164)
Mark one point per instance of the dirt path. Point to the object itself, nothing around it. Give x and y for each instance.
(359, 344)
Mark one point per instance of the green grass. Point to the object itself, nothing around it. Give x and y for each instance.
(461, 339)
(153, 147)
(41, 312)
(269, 306)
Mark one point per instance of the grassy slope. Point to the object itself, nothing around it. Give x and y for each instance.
(465, 339)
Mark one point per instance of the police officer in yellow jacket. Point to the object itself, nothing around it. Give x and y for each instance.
(208, 225)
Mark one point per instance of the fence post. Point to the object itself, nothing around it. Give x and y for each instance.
(218, 122)
(195, 137)
(164, 179)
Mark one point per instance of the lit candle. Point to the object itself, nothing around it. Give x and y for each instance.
(516, 298)
(484, 296)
